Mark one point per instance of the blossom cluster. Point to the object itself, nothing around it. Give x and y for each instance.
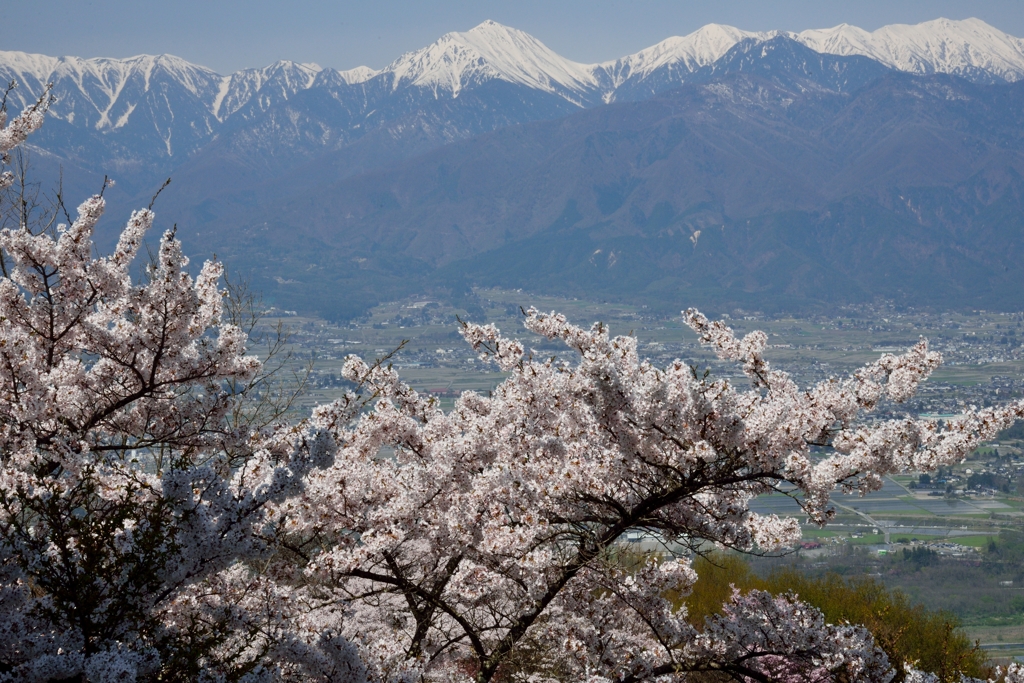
(471, 540)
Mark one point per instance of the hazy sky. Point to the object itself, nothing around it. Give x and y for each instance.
(226, 35)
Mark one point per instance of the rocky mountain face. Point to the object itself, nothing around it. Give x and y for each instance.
(488, 155)
(138, 118)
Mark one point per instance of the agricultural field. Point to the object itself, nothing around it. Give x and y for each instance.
(984, 359)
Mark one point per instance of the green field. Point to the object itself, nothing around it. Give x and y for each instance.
(974, 541)
(922, 538)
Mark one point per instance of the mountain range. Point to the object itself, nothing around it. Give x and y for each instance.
(755, 169)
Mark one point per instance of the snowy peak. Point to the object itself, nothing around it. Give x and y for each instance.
(682, 53)
(969, 48)
(103, 93)
(489, 51)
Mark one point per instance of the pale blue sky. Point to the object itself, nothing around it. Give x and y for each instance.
(226, 35)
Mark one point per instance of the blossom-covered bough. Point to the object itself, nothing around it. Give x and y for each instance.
(148, 534)
(487, 540)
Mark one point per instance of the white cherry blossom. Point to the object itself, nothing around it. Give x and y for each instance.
(484, 539)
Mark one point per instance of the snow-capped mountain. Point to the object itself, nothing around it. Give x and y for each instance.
(492, 52)
(969, 48)
(148, 114)
(127, 117)
(141, 114)
(669, 61)
(487, 52)
(103, 94)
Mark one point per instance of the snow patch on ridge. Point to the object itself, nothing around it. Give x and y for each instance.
(360, 74)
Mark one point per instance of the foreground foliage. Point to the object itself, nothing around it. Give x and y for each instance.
(147, 533)
(907, 632)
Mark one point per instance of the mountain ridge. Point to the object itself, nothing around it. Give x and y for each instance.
(155, 112)
(937, 46)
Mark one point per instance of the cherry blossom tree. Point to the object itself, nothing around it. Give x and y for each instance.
(147, 532)
(133, 545)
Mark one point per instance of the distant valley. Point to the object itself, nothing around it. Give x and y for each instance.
(724, 169)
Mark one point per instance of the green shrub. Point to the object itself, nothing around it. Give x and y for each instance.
(908, 632)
